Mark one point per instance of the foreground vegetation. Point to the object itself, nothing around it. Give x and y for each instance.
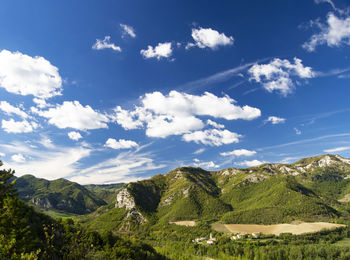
(261, 195)
(27, 234)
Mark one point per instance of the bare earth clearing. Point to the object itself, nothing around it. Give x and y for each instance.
(346, 198)
(277, 229)
(187, 223)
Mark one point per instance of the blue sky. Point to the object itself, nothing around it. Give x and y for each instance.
(117, 91)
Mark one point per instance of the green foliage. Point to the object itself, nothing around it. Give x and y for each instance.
(106, 192)
(27, 234)
(60, 194)
(275, 200)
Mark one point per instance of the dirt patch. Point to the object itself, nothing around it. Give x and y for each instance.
(187, 223)
(277, 229)
(346, 198)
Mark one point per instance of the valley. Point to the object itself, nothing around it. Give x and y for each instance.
(292, 206)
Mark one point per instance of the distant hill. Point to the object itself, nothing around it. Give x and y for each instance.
(60, 194)
(106, 192)
(312, 189)
(28, 234)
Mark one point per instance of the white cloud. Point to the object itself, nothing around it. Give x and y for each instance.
(275, 120)
(212, 137)
(199, 151)
(335, 33)
(2, 155)
(9, 109)
(46, 142)
(128, 30)
(105, 44)
(120, 144)
(41, 103)
(49, 163)
(18, 158)
(177, 113)
(326, 1)
(12, 126)
(205, 165)
(337, 149)
(297, 131)
(74, 115)
(277, 75)
(126, 167)
(24, 75)
(209, 38)
(75, 136)
(162, 50)
(214, 124)
(252, 163)
(239, 152)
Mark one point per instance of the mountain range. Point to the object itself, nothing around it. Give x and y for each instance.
(311, 189)
(63, 195)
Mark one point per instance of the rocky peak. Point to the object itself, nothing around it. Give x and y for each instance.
(125, 199)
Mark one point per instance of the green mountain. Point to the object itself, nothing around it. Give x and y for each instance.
(312, 189)
(60, 195)
(27, 234)
(106, 192)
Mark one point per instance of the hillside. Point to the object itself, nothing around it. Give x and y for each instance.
(106, 192)
(27, 234)
(61, 195)
(312, 189)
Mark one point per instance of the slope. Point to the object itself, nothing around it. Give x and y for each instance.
(60, 194)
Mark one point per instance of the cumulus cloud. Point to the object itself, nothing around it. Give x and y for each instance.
(18, 158)
(239, 152)
(2, 155)
(105, 44)
(41, 103)
(278, 74)
(120, 144)
(75, 136)
(205, 165)
(177, 113)
(9, 109)
(214, 124)
(74, 115)
(335, 33)
(128, 30)
(275, 120)
(25, 75)
(209, 38)
(337, 149)
(252, 163)
(162, 50)
(212, 137)
(16, 127)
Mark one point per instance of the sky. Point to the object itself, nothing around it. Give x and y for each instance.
(118, 91)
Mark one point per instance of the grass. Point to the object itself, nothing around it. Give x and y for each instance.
(343, 243)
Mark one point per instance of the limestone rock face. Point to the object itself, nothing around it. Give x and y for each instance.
(125, 199)
(42, 202)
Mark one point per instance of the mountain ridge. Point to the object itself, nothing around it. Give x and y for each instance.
(268, 193)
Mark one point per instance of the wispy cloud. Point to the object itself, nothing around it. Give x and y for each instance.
(125, 167)
(216, 78)
(105, 44)
(303, 141)
(337, 149)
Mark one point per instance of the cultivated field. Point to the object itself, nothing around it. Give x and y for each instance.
(277, 229)
(187, 223)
